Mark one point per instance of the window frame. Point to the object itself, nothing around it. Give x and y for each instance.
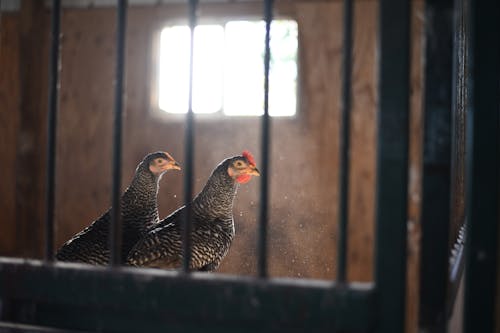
(161, 115)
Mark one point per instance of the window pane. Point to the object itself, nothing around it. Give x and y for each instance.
(174, 67)
(244, 77)
(283, 73)
(243, 90)
(229, 69)
(207, 69)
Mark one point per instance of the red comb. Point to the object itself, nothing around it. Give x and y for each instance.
(248, 155)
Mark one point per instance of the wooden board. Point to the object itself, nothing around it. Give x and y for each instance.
(31, 149)
(9, 123)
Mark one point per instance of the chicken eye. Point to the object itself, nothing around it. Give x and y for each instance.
(239, 164)
(159, 161)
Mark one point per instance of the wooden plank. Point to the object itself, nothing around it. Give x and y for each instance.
(415, 168)
(30, 160)
(9, 123)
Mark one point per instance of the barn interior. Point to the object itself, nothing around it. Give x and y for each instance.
(305, 148)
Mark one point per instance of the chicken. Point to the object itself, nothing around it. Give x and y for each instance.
(139, 211)
(212, 228)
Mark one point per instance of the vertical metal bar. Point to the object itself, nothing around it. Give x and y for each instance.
(116, 257)
(483, 167)
(265, 142)
(52, 129)
(392, 163)
(457, 263)
(457, 218)
(1, 13)
(344, 142)
(436, 170)
(189, 148)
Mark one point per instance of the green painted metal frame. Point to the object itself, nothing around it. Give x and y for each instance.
(437, 165)
(8, 327)
(131, 300)
(392, 164)
(483, 167)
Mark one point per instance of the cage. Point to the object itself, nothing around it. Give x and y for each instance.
(373, 197)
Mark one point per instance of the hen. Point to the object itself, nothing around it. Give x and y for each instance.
(139, 211)
(212, 222)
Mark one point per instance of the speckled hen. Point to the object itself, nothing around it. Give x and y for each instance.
(212, 222)
(139, 211)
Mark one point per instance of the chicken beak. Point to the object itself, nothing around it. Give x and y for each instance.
(253, 171)
(174, 165)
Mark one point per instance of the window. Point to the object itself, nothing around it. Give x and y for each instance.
(228, 68)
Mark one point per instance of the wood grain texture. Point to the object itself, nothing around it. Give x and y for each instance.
(9, 124)
(415, 168)
(84, 134)
(363, 138)
(31, 139)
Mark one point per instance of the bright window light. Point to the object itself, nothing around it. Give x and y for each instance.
(228, 68)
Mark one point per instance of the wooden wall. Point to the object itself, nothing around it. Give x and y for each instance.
(23, 104)
(304, 189)
(9, 123)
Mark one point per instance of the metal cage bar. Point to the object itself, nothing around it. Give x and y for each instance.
(52, 129)
(483, 167)
(345, 142)
(139, 300)
(10, 327)
(1, 13)
(436, 169)
(392, 163)
(189, 146)
(457, 264)
(459, 101)
(265, 142)
(116, 255)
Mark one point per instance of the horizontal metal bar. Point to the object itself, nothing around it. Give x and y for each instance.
(24, 328)
(155, 299)
(148, 3)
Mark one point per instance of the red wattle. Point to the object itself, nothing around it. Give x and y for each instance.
(243, 179)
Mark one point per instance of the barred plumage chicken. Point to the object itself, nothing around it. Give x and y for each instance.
(212, 222)
(139, 211)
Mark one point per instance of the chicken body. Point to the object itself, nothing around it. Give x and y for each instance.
(212, 229)
(139, 211)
